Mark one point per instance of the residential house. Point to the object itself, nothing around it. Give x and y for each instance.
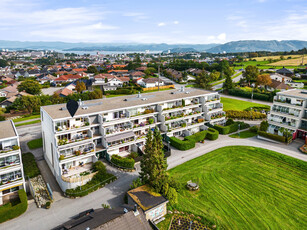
(281, 78)
(142, 68)
(136, 74)
(108, 81)
(152, 204)
(66, 78)
(119, 125)
(124, 218)
(11, 169)
(150, 82)
(284, 71)
(277, 85)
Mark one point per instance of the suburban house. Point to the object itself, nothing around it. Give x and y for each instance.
(11, 169)
(152, 204)
(297, 85)
(9, 101)
(150, 82)
(109, 81)
(107, 219)
(174, 74)
(289, 111)
(284, 71)
(142, 68)
(278, 85)
(10, 90)
(66, 78)
(281, 78)
(119, 125)
(136, 74)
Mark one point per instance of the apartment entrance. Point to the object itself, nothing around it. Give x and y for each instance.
(301, 134)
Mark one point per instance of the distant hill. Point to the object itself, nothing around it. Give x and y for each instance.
(257, 45)
(181, 50)
(99, 46)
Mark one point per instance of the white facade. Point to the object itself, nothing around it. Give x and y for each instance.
(71, 145)
(11, 169)
(289, 112)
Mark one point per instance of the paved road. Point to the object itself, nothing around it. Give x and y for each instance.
(177, 86)
(236, 79)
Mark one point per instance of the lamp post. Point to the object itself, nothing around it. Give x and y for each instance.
(239, 130)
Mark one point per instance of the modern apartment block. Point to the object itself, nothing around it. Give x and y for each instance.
(11, 169)
(289, 111)
(119, 125)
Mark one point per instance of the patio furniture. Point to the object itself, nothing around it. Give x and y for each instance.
(192, 186)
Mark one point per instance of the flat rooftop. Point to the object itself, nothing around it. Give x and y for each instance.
(121, 102)
(7, 129)
(295, 93)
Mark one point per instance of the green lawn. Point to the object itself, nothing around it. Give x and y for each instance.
(244, 134)
(28, 123)
(30, 167)
(25, 118)
(245, 188)
(34, 144)
(234, 104)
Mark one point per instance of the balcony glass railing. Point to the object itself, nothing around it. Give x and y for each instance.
(69, 141)
(9, 149)
(288, 102)
(286, 112)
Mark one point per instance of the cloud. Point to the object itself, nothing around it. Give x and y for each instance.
(176, 22)
(162, 24)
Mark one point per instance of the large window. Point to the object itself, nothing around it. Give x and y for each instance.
(10, 160)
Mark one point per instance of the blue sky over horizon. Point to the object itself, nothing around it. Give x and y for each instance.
(158, 21)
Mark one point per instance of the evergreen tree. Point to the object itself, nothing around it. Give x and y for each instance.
(145, 162)
(228, 84)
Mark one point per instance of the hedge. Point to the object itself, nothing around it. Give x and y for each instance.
(243, 125)
(29, 165)
(250, 115)
(8, 211)
(272, 136)
(180, 144)
(227, 129)
(98, 181)
(123, 161)
(212, 134)
(197, 137)
(246, 94)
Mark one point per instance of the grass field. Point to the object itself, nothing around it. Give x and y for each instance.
(34, 144)
(289, 62)
(245, 188)
(26, 118)
(276, 57)
(243, 134)
(234, 104)
(28, 123)
(267, 65)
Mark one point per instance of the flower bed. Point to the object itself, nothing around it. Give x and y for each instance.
(303, 149)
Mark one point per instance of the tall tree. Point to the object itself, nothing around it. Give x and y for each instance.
(264, 79)
(153, 164)
(228, 84)
(80, 86)
(203, 80)
(31, 87)
(250, 74)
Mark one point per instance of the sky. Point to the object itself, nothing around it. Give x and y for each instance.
(158, 21)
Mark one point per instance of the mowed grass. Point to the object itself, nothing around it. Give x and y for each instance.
(243, 134)
(234, 104)
(245, 188)
(34, 144)
(28, 123)
(26, 118)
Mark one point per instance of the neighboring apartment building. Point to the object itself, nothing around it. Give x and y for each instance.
(289, 111)
(11, 169)
(118, 126)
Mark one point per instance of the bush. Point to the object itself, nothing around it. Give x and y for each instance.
(249, 115)
(123, 162)
(100, 167)
(29, 165)
(246, 94)
(181, 145)
(264, 125)
(197, 137)
(98, 181)
(172, 196)
(243, 125)
(8, 212)
(272, 136)
(62, 157)
(253, 129)
(229, 121)
(133, 155)
(227, 129)
(212, 134)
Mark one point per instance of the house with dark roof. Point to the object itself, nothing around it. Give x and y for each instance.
(136, 74)
(108, 219)
(152, 204)
(277, 85)
(284, 71)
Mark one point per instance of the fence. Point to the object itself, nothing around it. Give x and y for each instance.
(161, 87)
(78, 179)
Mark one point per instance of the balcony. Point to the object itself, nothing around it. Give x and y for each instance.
(116, 119)
(278, 122)
(11, 177)
(8, 149)
(286, 102)
(120, 139)
(72, 124)
(81, 137)
(118, 128)
(287, 113)
(80, 173)
(67, 154)
(146, 112)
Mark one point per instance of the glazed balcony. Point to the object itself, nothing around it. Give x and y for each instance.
(118, 128)
(76, 152)
(9, 149)
(10, 178)
(67, 139)
(9, 161)
(72, 124)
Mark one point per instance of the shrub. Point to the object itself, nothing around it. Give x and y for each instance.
(15, 147)
(8, 212)
(29, 165)
(212, 134)
(272, 136)
(151, 121)
(243, 125)
(133, 155)
(62, 157)
(182, 145)
(122, 161)
(227, 129)
(253, 129)
(246, 94)
(197, 137)
(229, 121)
(172, 196)
(100, 167)
(249, 115)
(264, 125)
(136, 183)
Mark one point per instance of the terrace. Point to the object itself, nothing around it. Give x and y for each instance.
(72, 138)
(9, 161)
(78, 173)
(117, 128)
(10, 177)
(120, 139)
(77, 151)
(72, 124)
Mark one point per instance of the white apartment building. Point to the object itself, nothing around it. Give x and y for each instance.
(11, 169)
(289, 111)
(119, 125)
